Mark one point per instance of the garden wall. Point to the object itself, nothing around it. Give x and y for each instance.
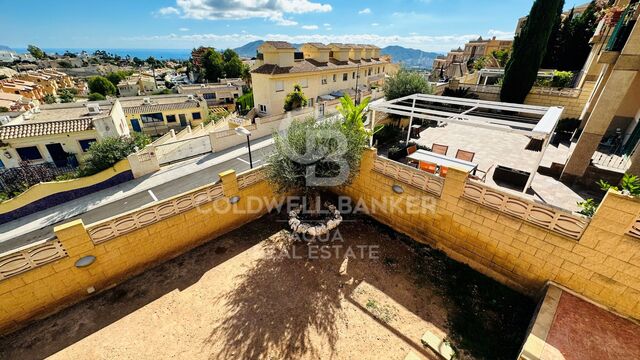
(45, 195)
(512, 238)
(42, 278)
(573, 100)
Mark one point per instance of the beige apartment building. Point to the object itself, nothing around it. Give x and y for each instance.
(611, 117)
(223, 93)
(25, 88)
(54, 133)
(484, 48)
(324, 72)
(137, 84)
(159, 114)
(450, 66)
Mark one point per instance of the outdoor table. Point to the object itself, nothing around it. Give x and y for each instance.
(444, 160)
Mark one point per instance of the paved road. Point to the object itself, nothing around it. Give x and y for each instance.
(171, 181)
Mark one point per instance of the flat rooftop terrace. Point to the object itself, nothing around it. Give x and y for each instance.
(494, 148)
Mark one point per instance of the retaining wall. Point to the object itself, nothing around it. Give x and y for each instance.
(45, 195)
(40, 279)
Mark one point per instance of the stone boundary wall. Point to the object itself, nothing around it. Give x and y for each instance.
(45, 195)
(603, 264)
(573, 100)
(51, 280)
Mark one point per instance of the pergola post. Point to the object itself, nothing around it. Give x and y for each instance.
(373, 125)
(410, 121)
(545, 144)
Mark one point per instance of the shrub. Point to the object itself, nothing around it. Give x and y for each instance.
(588, 207)
(312, 154)
(105, 153)
(49, 99)
(561, 79)
(295, 99)
(404, 83)
(96, 97)
(101, 85)
(462, 92)
(245, 103)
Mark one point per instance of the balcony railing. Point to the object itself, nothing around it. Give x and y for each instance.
(623, 28)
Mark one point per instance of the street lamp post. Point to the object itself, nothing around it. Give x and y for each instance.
(241, 131)
(357, 78)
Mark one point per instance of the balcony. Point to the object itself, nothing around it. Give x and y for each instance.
(622, 30)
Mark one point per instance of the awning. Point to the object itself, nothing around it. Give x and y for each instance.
(326, 97)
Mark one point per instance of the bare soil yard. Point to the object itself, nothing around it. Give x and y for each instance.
(255, 293)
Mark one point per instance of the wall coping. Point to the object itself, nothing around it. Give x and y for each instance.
(44, 189)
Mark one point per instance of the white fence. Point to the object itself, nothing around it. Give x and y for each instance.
(183, 149)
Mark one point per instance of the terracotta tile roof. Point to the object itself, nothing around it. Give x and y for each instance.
(44, 128)
(280, 44)
(318, 45)
(149, 108)
(309, 65)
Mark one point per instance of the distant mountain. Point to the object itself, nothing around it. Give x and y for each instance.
(409, 57)
(249, 49)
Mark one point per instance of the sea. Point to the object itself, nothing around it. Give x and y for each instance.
(160, 54)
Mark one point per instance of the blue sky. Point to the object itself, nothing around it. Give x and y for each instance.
(431, 25)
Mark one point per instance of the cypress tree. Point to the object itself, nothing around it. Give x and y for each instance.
(529, 50)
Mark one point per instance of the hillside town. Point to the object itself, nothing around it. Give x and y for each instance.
(291, 198)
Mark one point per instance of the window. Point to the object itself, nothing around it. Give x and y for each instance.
(369, 72)
(29, 153)
(151, 118)
(345, 77)
(171, 118)
(209, 96)
(335, 77)
(235, 95)
(279, 86)
(383, 69)
(323, 81)
(263, 108)
(353, 75)
(304, 83)
(196, 116)
(85, 144)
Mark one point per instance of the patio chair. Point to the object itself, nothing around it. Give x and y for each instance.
(439, 149)
(465, 155)
(482, 178)
(428, 167)
(410, 150)
(443, 171)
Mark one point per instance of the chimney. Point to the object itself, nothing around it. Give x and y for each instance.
(316, 51)
(340, 51)
(279, 53)
(355, 53)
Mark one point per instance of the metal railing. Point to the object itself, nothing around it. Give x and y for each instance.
(623, 28)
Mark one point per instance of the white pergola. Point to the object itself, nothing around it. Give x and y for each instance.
(536, 122)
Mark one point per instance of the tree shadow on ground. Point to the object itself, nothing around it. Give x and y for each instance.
(47, 336)
(282, 305)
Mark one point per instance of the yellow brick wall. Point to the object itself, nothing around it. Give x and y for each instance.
(603, 265)
(572, 105)
(46, 289)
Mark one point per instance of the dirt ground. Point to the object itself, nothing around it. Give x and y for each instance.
(255, 293)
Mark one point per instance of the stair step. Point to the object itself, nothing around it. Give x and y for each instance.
(438, 345)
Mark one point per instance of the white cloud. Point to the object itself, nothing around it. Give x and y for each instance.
(501, 34)
(326, 25)
(169, 10)
(184, 29)
(310, 27)
(375, 24)
(273, 10)
(365, 11)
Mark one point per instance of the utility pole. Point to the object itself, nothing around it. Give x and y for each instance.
(357, 102)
